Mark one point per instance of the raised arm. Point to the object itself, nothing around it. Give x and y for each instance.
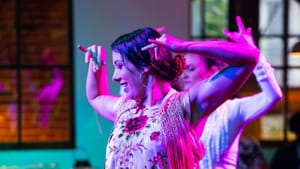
(241, 61)
(265, 100)
(208, 95)
(97, 91)
(270, 91)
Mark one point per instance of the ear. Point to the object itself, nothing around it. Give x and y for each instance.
(145, 69)
(214, 69)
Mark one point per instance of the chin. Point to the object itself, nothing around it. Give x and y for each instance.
(186, 87)
(129, 96)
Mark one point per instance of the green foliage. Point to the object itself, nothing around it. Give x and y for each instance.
(216, 16)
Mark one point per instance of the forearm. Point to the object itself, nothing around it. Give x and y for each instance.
(231, 53)
(91, 84)
(268, 97)
(102, 80)
(265, 77)
(96, 82)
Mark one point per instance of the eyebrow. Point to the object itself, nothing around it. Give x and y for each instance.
(190, 65)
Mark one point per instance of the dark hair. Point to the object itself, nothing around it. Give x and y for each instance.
(212, 62)
(251, 155)
(130, 47)
(295, 122)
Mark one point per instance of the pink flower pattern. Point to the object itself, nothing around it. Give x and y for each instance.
(146, 142)
(155, 136)
(135, 124)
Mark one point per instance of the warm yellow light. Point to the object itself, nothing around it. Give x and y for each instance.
(295, 54)
(296, 50)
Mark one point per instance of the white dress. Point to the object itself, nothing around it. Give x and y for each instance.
(223, 129)
(139, 138)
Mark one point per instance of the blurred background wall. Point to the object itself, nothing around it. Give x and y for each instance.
(100, 22)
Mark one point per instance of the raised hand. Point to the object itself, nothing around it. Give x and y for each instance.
(170, 42)
(243, 36)
(94, 55)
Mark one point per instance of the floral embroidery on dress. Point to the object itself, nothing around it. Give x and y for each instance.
(139, 136)
(155, 136)
(137, 140)
(135, 124)
(159, 160)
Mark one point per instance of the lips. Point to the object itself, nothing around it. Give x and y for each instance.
(186, 82)
(123, 86)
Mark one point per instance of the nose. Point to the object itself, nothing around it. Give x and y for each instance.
(116, 76)
(184, 75)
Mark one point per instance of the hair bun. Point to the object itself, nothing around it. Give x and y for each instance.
(179, 65)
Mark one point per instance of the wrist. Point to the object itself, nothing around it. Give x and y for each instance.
(263, 69)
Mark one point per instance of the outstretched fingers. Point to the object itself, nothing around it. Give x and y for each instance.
(240, 24)
(233, 36)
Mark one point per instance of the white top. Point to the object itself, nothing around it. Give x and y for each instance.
(226, 124)
(222, 130)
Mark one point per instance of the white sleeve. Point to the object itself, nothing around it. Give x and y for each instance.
(255, 106)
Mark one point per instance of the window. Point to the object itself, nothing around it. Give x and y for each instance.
(208, 18)
(36, 74)
(277, 31)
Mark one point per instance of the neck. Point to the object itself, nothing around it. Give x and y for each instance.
(157, 92)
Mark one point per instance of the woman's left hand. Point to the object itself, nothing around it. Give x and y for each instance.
(170, 42)
(95, 55)
(243, 36)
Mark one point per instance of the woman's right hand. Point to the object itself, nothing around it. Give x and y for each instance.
(170, 42)
(95, 55)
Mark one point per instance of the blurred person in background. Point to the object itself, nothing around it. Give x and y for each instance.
(288, 155)
(251, 155)
(223, 128)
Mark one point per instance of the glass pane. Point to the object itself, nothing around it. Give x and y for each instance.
(8, 106)
(44, 28)
(35, 61)
(272, 127)
(216, 17)
(294, 13)
(293, 60)
(45, 114)
(272, 48)
(279, 76)
(270, 19)
(196, 18)
(294, 78)
(7, 33)
(293, 104)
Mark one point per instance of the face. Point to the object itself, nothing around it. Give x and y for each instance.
(128, 77)
(195, 70)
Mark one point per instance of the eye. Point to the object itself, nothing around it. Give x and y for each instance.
(118, 65)
(190, 68)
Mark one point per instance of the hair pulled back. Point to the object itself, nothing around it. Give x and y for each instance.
(160, 62)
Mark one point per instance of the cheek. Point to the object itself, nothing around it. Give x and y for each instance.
(136, 81)
(133, 80)
(196, 75)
